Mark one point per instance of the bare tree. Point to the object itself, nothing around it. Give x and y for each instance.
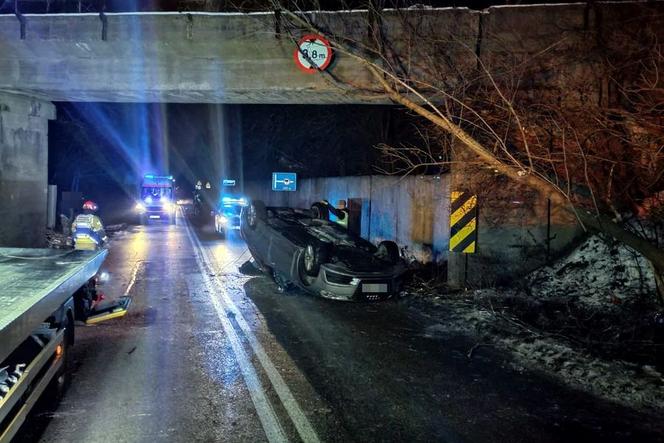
(579, 120)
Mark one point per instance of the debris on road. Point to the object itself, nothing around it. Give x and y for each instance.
(58, 240)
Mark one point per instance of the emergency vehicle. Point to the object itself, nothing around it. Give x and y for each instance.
(156, 199)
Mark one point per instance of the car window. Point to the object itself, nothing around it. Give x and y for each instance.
(156, 192)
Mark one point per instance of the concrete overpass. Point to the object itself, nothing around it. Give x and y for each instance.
(186, 57)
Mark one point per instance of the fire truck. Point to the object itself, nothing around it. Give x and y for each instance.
(156, 199)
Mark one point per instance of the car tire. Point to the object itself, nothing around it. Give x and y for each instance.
(389, 250)
(256, 211)
(320, 211)
(313, 256)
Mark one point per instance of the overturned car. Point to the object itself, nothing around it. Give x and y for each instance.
(298, 248)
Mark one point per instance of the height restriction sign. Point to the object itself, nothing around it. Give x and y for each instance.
(313, 53)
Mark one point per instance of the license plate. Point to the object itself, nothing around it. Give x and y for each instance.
(374, 287)
(154, 216)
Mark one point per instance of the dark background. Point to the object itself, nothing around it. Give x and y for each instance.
(103, 149)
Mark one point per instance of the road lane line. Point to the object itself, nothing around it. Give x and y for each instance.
(268, 418)
(132, 281)
(300, 420)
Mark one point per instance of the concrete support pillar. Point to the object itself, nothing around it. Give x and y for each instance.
(23, 169)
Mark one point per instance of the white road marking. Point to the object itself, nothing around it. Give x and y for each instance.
(132, 281)
(300, 420)
(266, 415)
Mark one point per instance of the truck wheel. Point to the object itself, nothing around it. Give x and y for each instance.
(389, 251)
(256, 212)
(57, 387)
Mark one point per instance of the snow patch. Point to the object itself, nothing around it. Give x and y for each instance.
(597, 273)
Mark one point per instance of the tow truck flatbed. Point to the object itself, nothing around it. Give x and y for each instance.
(34, 283)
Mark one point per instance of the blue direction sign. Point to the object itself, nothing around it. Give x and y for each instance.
(284, 181)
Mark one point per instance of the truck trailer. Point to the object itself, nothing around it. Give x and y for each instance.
(42, 293)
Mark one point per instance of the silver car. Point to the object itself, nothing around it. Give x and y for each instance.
(298, 249)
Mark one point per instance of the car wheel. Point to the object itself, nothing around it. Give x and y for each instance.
(312, 257)
(389, 251)
(256, 212)
(320, 211)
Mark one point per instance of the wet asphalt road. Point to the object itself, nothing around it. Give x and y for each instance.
(208, 354)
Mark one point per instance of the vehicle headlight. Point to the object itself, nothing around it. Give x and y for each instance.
(140, 207)
(222, 219)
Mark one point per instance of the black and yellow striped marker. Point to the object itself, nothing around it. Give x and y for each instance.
(463, 222)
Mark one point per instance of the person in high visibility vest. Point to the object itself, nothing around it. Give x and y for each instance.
(88, 230)
(340, 212)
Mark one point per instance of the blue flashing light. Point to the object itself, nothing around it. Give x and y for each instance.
(149, 176)
(230, 201)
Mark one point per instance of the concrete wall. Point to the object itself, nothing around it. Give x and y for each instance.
(23, 169)
(413, 211)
